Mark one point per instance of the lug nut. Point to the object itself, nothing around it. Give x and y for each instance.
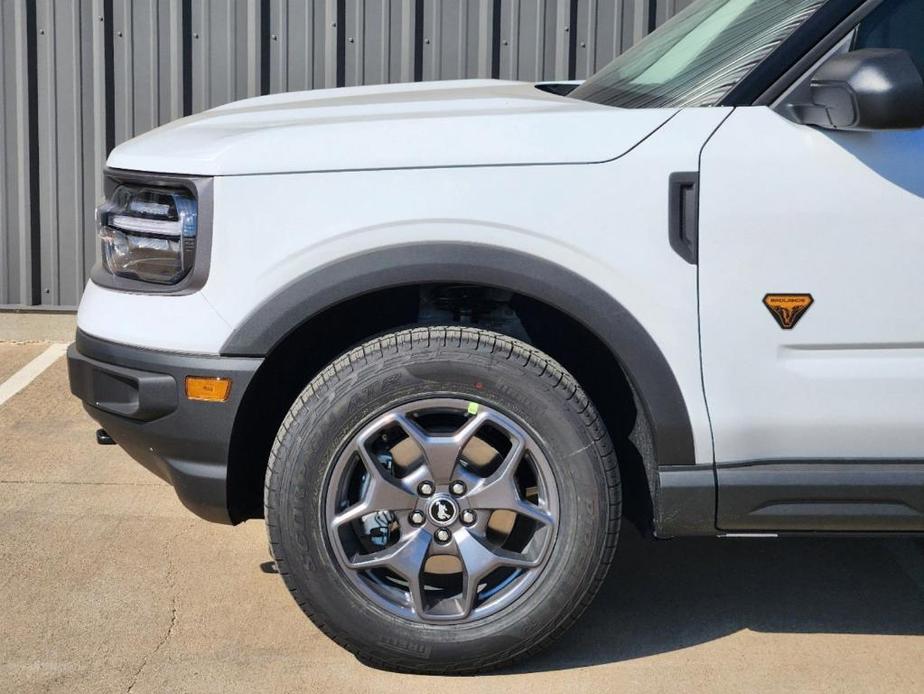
(425, 488)
(417, 518)
(457, 488)
(443, 535)
(468, 517)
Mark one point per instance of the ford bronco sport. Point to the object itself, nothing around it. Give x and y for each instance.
(443, 337)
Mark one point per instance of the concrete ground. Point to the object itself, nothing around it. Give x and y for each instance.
(107, 584)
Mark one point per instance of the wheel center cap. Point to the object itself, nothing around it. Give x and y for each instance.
(443, 510)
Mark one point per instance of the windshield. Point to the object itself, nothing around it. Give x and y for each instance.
(697, 57)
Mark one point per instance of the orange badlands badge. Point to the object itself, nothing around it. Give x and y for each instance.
(788, 308)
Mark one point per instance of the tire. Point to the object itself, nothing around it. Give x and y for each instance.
(423, 388)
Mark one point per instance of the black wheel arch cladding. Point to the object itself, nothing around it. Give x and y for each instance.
(641, 359)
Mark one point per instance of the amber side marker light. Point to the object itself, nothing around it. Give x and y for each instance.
(208, 389)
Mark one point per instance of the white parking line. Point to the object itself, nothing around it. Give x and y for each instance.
(31, 371)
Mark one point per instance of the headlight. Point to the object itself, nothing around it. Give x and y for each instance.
(149, 234)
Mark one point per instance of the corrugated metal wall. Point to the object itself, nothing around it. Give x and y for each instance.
(81, 76)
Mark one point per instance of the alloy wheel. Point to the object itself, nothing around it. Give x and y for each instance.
(442, 510)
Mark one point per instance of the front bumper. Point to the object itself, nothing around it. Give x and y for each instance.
(138, 397)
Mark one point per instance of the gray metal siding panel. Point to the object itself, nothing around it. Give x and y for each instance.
(100, 80)
(147, 65)
(95, 108)
(226, 50)
(298, 29)
(375, 33)
(665, 9)
(457, 39)
(66, 147)
(606, 28)
(15, 158)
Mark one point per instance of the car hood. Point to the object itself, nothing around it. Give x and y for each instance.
(435, 124)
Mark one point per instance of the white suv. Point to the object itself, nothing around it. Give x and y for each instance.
(444, 336)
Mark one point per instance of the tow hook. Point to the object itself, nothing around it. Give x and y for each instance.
(104, 439)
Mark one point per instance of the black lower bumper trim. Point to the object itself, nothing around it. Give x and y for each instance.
(137, 396)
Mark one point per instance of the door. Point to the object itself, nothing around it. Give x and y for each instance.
(812, 314)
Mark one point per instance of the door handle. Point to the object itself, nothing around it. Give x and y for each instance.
(683, 220)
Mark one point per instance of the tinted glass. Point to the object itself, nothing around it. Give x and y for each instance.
(895, 24)
(698, 57)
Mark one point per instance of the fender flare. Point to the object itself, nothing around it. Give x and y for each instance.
(504, 268)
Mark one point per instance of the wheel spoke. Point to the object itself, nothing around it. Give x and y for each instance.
(406, 558)
(499, 490)
(441, 452)
(385, 489)
(354, 512)
(533, 512)
(478, 561)
(511, 462)
(383, 493)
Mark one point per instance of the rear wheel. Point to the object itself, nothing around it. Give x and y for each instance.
(442, 500)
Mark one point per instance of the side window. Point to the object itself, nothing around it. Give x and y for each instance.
(895, 24)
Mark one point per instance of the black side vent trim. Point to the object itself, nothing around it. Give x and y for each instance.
(684, 215)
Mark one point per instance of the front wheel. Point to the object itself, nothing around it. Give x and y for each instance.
(443, 500)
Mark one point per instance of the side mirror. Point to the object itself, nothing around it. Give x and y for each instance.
(869, 89)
